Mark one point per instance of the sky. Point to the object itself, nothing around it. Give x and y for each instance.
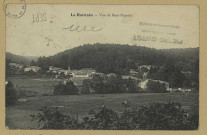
(47, 29)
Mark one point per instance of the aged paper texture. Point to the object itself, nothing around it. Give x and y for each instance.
(73, 67)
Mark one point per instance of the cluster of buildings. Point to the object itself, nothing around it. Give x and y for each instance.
(20, 68)
(139, 75)
(15, 65)
(84, 72)
(32, 68)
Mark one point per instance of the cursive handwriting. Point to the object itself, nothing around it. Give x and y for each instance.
(78, 28)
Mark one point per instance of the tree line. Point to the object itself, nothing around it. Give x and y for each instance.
(119, 59)
(115, 58)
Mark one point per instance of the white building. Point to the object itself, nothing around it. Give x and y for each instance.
(85, 72)
(32, 68)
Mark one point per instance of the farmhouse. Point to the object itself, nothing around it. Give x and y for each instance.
(144, 66)
(184, 90)
(128, 77)
(111, 75)
(132, 72)
(143, 84)
(54, 69)
(78, 73)
(32, 68)
(15, 65)
(85, 72)
(65, 72)
(145, 75)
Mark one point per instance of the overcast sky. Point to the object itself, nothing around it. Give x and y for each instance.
(27, 36)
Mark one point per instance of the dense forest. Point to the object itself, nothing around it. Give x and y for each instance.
(114, 58)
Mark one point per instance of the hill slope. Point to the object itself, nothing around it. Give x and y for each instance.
(20, 59)
(114, 58)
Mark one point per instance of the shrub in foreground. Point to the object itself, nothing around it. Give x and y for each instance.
(66, 89)
(156, 87)
(156, 116)
(11, 94)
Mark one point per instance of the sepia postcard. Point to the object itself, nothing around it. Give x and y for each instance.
(97, 68)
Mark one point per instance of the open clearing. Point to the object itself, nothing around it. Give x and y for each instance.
(33, 86)
(18, 117)
(36, 89)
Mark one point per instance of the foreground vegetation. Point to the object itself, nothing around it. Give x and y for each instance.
(18, 116)
(156, 116)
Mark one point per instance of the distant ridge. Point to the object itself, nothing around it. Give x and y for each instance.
(20, 59)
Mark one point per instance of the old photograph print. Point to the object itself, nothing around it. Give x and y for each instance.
(102, 67)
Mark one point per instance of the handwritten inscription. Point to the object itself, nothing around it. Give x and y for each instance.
(79, 28)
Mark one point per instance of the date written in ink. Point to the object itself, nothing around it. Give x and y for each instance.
(156, 39)
(39, 17)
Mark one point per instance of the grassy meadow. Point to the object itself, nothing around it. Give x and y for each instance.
(18, 116)
(29, 87)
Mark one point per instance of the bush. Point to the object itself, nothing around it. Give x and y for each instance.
(22, 93)
(156, 87)
(104, 119)
(66, 89)
(53, 119)
(86, 86)
(112, 84)
(131, 86)
(156, 116)
(11, 94)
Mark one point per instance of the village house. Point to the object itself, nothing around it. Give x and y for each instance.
(132, 72)
(15, 65)
(57, 70)
(128, 77)
(65, 72)
(53, 69)
(111, 75)
(100, 74)
(145, 75)
(84, 72)
(184, 90)
(144, 66)
(77, 73)
(143, 84)
(32, 68)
